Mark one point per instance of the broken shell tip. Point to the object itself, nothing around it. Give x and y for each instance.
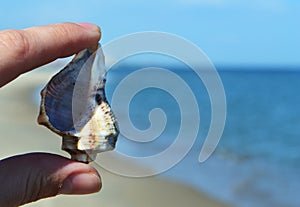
(69, 144)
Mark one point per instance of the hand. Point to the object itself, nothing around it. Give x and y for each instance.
(29, 177)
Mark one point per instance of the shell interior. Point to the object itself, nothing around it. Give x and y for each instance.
(74, 105)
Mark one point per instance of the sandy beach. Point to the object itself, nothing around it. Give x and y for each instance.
(20, 134)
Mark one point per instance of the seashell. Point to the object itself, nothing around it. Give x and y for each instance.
(74, 106)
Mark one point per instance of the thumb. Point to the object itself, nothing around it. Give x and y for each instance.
(30, 177)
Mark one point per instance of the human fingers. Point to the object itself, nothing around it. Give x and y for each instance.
(30, 177)
(23, 50)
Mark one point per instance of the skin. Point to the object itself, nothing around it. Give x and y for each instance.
(30, 177)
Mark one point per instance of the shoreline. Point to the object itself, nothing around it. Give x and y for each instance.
(19, 115)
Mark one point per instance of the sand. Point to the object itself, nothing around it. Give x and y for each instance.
(20, 134)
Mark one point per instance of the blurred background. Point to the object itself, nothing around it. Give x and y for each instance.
(255, 47)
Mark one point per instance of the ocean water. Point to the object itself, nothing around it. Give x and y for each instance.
(257, 161)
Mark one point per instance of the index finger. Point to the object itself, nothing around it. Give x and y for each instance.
(24, 50)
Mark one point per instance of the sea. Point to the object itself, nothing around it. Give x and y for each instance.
(257, 160)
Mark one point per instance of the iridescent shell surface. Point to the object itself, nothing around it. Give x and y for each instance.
(74, 106)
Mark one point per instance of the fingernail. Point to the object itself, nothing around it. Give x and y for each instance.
(89, 26)
(81, 184)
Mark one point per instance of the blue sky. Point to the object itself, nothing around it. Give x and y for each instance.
(230, 32)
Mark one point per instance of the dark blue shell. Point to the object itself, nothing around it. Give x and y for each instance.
(59, 93)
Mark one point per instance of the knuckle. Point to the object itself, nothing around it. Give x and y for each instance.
(61, 31)
(37, 186)
(15, 41)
